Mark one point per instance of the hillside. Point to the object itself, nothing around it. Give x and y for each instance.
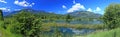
(85, 14)
(26, 10)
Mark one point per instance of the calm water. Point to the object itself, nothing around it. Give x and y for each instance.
(76, 22)
(71, 31)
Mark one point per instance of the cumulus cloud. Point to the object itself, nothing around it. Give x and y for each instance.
(5, 9)
(76, 7)
(89, 9)
(23, 3)
(3, 1)
(64, 7)
(98, 10)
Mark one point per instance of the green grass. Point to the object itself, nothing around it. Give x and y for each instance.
(7, 33)
(110, 33)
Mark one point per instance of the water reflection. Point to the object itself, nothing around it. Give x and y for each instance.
(70, 31)
(76, 21)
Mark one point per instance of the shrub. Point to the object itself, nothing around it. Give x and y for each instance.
(26, 24)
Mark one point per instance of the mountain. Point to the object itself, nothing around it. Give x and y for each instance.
(38, 13)
(84, 14)
(76, 14)
(27, 10)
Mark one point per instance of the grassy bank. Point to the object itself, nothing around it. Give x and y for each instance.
(110, 33)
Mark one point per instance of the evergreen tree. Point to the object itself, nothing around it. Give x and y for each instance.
(68, 17)
(1, 15)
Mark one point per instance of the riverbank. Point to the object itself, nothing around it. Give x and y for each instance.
(107, 33)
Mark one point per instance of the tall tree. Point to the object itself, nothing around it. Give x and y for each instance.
(111, 17)
(2, 20)
(68, 17)
(1, 15)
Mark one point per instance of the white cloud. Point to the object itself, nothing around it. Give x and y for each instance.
(3, 1)
(89, 9)
(74, 2)
(76, 7)
(64, 7)
(32, 4)
(23, 3)
(5, 9)
(98, 10)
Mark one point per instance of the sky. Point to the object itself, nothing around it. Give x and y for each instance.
(57, 6)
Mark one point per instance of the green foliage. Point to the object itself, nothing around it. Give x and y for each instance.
(49, 16)
(1, 19)
(7, 33)
(26, 24)
(111, 17)
(68, 17)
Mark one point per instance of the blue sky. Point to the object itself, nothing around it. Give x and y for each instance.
(57, 6)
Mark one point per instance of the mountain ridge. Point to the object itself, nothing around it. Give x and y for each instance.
(85, 14)
(76, 14)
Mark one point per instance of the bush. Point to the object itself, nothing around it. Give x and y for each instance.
(26, 24)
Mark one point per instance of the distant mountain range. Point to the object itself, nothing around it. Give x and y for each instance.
(76, 14)
(85, 14)
(26, 10)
